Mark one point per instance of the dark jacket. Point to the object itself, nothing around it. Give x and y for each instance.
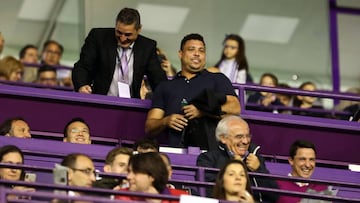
(96, 65)
(219, 157)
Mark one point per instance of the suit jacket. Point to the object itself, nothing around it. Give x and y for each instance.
(97, 62)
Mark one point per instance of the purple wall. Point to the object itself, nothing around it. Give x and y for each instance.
(120, 118)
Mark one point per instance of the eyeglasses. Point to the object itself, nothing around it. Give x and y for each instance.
(87, 171)
(74, 130)
(231, 47)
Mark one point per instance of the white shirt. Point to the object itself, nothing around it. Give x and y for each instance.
(229, 67)
(113, 90)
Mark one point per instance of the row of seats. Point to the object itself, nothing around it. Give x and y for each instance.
(44, 153)
(123, 119)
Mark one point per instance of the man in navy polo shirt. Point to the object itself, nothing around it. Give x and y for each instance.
(188, 107)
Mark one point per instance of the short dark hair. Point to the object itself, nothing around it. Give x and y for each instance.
(70, 160)
(77, 119)
(25, 48)
(47, 43)
(300, 144)
(110, 157)
(45, 68)
(6, 125)
(219, 189)
(192, 36)
(146, 143)
(129, 16)
(153, 165)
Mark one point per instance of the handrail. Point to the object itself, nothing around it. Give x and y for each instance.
(323, 94)
(36, 85)
(204, 183)
(146, 195)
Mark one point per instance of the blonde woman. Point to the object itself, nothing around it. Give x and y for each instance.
(11, 69)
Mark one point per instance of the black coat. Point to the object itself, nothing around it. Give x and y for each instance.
(219, 157)
(96, 65)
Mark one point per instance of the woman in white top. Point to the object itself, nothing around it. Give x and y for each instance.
(233, 62)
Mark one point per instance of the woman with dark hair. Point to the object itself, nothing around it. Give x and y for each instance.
(233, 62)
(148, 173)
(233, 183)
(11, 154)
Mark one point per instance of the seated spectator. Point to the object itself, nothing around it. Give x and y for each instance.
(265, 99)
(15, 127)
(302, 160)
(51, 55)
(349, 106)
(11, 69)
(77, 131)
(234, 142)
(285, 99)
(146, 145)
(46, 75)
(233, 183)
(81, 171)
(183, 189)
(29, 54)
(307, 102)
(148, 174)
(117, 161)
(11, 154)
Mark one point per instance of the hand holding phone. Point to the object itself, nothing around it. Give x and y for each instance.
(30, 177)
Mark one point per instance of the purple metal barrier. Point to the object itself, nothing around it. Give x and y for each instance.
(28, 84)
(282, 130)
(50, 187)
(50, 110)
(124, 119)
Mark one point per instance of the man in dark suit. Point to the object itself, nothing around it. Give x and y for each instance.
(114, 61)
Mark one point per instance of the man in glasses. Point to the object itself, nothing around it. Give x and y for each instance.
(81, 170)
(77, 131)
(113, 61)
(233, 135)
(46, 75)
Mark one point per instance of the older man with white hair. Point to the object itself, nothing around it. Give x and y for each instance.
(233, 135)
